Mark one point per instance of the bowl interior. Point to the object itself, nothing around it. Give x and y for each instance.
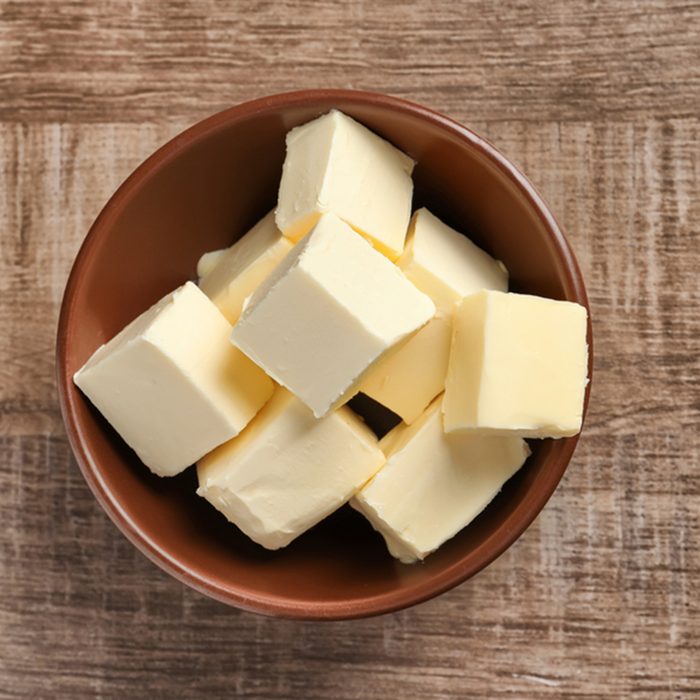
(202, 191)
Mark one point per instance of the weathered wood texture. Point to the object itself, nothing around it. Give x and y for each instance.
(599, 103)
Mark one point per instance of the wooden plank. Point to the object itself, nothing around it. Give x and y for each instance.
(599, 598)
(529, 61)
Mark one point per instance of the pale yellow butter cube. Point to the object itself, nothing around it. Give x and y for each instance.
(288, 470)
(333, 164)
(518, 366)
(171, 384)
(434, 484)
(331, 308)
(447, 266)
(236, 272)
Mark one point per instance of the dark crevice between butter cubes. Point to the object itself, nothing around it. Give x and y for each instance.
(377, 417)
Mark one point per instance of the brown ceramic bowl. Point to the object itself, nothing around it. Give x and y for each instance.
(201, 191)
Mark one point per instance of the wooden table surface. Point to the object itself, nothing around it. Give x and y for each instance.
(599, 103)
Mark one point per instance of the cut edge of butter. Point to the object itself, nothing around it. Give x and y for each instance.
(208, 261)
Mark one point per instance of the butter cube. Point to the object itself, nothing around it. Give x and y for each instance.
(239, 270)
(518, 366)
(336, 165)
(171, 384)
(288, 470)
(447, 266)
(434, 484)
(331, 308)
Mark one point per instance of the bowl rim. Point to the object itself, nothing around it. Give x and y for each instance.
(519, 520)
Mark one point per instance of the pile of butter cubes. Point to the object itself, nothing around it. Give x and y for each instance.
(340, 291)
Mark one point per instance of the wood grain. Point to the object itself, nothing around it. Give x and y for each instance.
(599, 104)
(141, 60)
